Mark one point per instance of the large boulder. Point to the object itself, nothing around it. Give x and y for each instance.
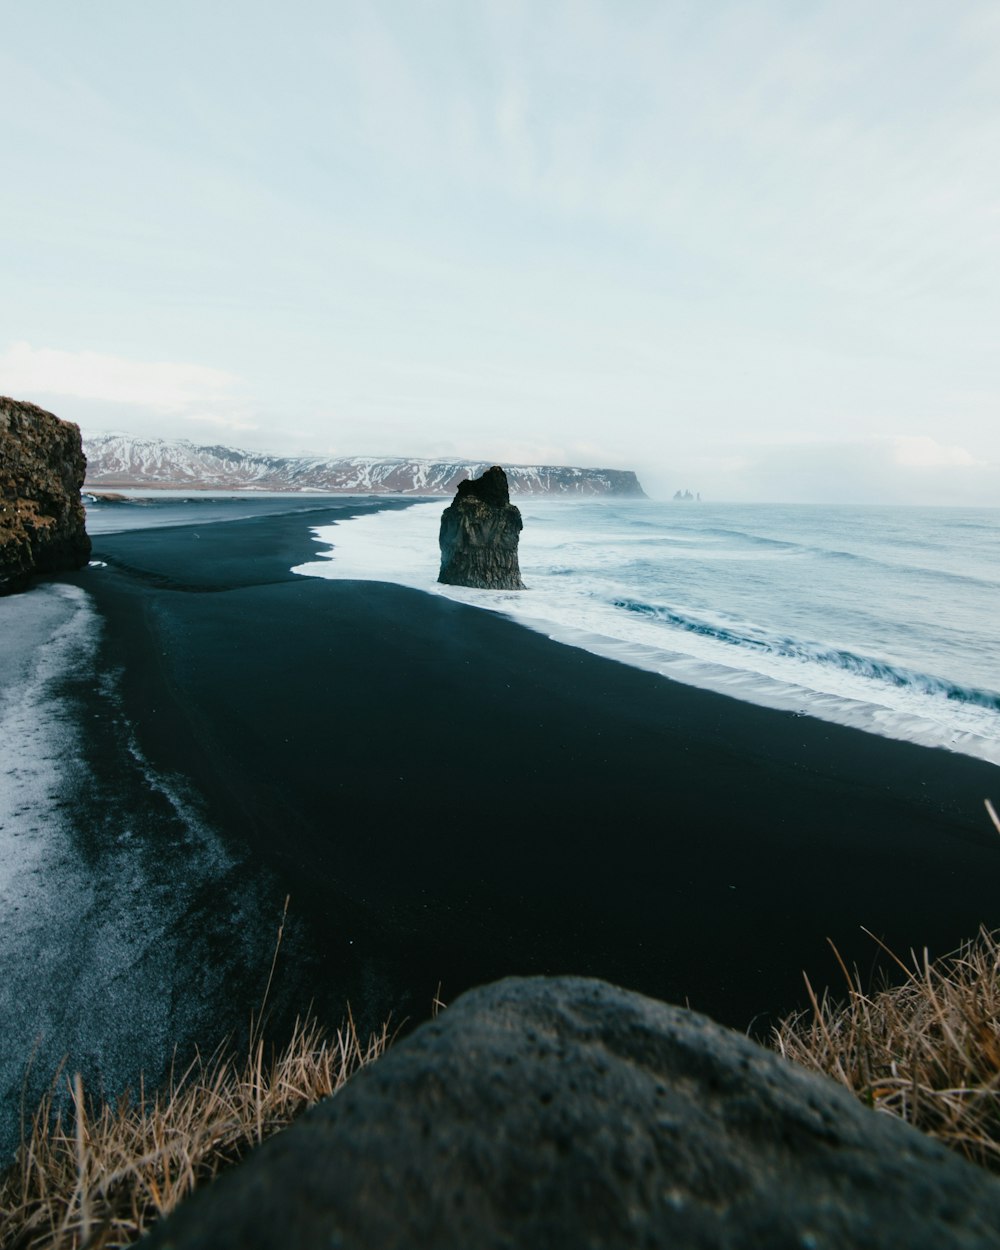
(42, 523)
(568, 1113)
(479, 535)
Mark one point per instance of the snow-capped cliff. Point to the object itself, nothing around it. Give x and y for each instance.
(116, 461)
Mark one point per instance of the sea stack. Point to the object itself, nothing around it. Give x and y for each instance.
(479, 535)
(42, 521)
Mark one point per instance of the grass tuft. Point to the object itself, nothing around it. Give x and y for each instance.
(927, 1050)
(101, 1174)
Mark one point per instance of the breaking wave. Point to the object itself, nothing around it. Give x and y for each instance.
(816, 653)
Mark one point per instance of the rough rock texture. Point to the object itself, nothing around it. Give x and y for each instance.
(42, 467)
(567, 1113)
(479, 534)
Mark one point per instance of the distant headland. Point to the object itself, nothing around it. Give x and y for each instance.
(119, 461)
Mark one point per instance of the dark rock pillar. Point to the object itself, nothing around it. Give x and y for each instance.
(42, 466)
(479, 535)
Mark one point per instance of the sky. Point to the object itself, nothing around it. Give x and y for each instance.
(747, 249)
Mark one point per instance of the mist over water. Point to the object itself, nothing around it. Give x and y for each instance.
(879, 618)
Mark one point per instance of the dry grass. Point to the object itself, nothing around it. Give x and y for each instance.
(99, 1176)
(927, 1050)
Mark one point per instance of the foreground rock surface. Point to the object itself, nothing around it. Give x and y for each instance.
(42, 522)
(479, 534)
(563, 1112)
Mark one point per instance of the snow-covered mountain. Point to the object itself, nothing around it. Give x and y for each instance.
(119, 461)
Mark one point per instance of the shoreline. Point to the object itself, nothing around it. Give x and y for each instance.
(449, 797)
(399, 548)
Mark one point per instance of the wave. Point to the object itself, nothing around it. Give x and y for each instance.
(816, 653)
(754, 540)
(590, 591)
(850, 557)
(906, 570)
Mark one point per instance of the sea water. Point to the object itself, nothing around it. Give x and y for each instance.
(882, 618)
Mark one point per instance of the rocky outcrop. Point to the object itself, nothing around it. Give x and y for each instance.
(565, 1113)
(479, 535)
(120, 460)
(42, 468)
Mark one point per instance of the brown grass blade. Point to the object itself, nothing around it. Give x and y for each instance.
(102, 1174)
(927, 1050)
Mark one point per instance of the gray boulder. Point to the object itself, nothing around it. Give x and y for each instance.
(568, 1113)
(479, 534)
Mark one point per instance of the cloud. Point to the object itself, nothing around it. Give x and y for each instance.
(927, 453)
(26, 371)
(227, 423)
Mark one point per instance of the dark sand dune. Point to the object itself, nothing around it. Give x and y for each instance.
(450, 797)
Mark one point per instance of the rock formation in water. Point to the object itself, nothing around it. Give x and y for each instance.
(121, 461)
(479, 535)
(565, 1112)
(42, 522)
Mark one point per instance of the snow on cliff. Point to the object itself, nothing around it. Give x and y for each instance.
(119, 460)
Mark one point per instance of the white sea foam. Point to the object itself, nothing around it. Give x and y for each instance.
(42, 891)
(96, 872)
(589, 588)
(44, 634)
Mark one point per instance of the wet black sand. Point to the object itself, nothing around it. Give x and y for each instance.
(450, 798)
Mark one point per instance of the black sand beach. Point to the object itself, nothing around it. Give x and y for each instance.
(449, 797)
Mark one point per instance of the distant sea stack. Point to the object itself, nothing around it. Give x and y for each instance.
(479, 535)
(121, 462)
(42, 522)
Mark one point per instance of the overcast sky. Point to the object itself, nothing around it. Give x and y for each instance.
(751, 249)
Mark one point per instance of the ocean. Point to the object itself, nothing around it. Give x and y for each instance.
(879, 618)
(194, 727)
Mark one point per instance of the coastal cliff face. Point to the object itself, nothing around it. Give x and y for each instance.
(121, 461)
(42, 522)
(479, 535)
